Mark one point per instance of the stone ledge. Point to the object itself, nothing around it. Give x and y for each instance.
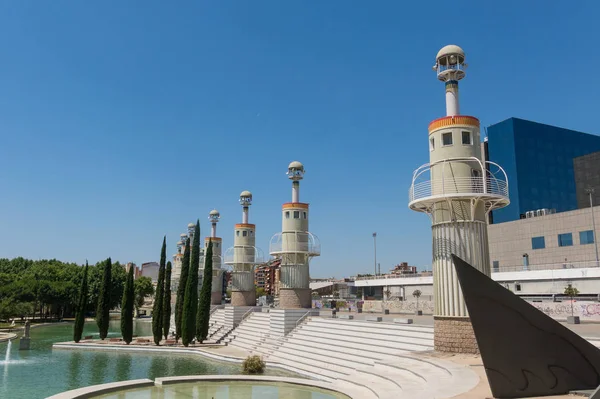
(96, 390)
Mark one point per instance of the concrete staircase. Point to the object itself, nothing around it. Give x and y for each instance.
(375, 359)
(216, 327)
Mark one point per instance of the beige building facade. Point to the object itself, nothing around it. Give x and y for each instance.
(554, 241)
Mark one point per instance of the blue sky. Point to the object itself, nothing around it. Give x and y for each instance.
(123, 121)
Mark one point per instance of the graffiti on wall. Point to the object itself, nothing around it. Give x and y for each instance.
(398, 306)
(560, 310)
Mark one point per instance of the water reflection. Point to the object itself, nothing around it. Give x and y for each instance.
(98, 368)
(123, 369)
(75, 369)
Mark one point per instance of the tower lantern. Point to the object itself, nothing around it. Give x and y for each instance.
(295, 246)
(217, 247)
(243, 256)
(457, 189)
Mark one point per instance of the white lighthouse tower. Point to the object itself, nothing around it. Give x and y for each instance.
(295, 245)
(217, 247)
(457, 189)
(243, 256)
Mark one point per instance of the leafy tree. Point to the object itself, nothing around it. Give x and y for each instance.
(260, 291)
(143, 289)
(118, 278)
(205, 296)
(571, 292)
(166, 311)
(183, 277)
(417, 294)
(190, 303)
(81, 305)
(103, 309)
(158, 298)
(127, 308)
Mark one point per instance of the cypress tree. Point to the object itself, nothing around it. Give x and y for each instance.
(166, 311)
(127, 308)
(157, 322)
(185, 267)
(190, 303)
(81, 305)
(102, 311)
(205, 294)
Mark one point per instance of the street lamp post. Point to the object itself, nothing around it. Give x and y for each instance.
(590, 191)
(375, 251)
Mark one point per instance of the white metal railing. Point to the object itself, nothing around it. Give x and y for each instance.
(387, 276)
(492, 179)
(245, 315)
(243, 254)
(295, 242)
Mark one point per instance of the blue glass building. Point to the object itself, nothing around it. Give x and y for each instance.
(538, 160)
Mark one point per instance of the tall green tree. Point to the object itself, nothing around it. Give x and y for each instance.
(127, 308)
(205, 296)
(166, 311)
(190, 303)
(185, 267)
(102, 311)
(81, 305)
(157, 321)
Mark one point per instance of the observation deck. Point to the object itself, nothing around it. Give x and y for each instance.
(295, 242)
(243, 254)
(490, 187)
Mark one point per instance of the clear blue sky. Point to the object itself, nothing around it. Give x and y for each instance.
(123, 121)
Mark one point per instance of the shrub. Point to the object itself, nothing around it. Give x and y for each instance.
(253, 365)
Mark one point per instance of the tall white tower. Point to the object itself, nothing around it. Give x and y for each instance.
(217, 247)
(295, 245)
(177, 261)
(457, 189)
(243, 256)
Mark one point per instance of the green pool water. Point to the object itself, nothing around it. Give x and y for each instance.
(41, 371)
(226, 390)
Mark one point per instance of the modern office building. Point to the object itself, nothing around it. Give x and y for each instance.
(587, 179)
(562, 240)
(538, 160)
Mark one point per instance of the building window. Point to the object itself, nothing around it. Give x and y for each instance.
(586, 237)
(431, 144)
(446, 139)
(245, 233)
(517, 287)
(287, 214)
(304, 214)
(466, 138)
(296, 214)
(237, 233)
(496, 265)
(565, 240)
(251, 233)
(538, 243)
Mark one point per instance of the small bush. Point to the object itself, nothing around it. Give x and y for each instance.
(253, 365)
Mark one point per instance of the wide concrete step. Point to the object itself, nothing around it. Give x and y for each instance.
(312, 371)
(328, 352)
(367, 351)
(365, 339)
(380, 328)
(302, 363)
(348, 365)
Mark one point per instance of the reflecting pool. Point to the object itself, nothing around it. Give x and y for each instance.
(226, 390)
(41, 371)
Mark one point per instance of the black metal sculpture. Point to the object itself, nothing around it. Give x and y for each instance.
(525, 352)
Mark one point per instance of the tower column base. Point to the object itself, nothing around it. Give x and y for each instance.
(243, 298)
(454, 334)
(295, 298)
(216, 298)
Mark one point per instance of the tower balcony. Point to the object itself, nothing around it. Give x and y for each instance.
(458, 179)
(243, 254)
(295, 242)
